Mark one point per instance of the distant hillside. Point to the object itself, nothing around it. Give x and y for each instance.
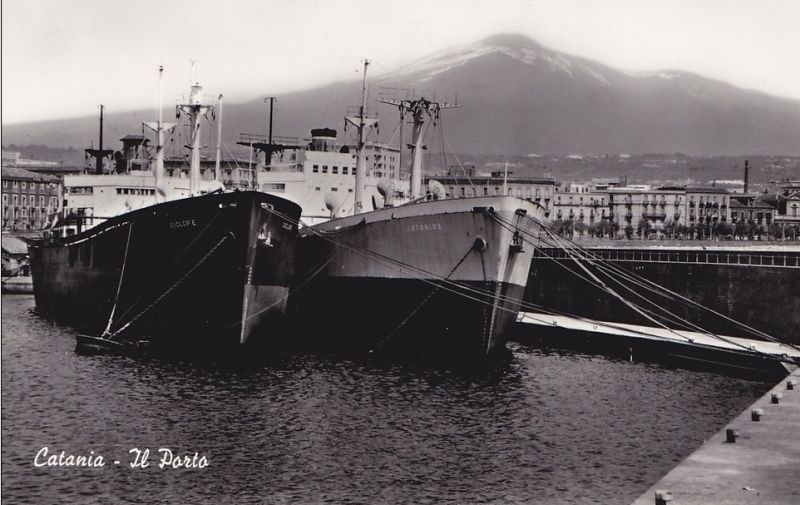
(517, 97)
(39, 152)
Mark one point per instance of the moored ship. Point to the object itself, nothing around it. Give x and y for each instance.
(139, 257)
(434, 275)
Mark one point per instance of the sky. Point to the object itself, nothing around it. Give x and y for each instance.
(62, 58)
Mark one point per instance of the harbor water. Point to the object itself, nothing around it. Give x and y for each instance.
(532, 427)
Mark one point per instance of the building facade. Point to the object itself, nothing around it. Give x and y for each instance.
(30, 200)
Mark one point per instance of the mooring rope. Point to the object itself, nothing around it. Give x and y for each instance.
(608, 267)
(106, 332)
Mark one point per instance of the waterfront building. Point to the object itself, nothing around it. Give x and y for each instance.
(655, 209)
(632, 208)
(579, 203)
(707, 206)
(753, 209)
(30, 200)
(786, 202)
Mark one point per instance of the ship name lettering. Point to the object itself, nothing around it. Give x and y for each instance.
(183, 224)
(425, 227)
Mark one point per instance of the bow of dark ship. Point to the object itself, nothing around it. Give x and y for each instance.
(201, 274)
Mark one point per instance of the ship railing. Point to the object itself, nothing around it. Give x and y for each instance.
(743, 258)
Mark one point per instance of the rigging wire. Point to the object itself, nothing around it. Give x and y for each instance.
(663, 292)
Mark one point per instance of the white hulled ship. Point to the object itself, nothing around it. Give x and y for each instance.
(435, 274)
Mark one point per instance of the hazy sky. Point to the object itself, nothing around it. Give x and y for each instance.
(61, 58)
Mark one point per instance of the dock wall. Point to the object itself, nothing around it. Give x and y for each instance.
(758, 289)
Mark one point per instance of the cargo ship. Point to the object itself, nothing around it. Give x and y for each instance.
(139, 258)
(436, 275)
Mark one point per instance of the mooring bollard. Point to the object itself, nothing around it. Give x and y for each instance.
(663, 496)
(790, 384)
(756, 414)
(730, 435)
(776, 397)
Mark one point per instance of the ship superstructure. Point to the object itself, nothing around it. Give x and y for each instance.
(320, 173)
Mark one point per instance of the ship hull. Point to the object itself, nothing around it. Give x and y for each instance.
(442, 276)
(195, 274)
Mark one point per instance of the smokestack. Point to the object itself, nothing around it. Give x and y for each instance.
(746, 175)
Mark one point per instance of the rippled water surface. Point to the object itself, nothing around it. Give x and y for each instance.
(533, 428)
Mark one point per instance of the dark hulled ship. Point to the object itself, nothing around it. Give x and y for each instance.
(173, 261)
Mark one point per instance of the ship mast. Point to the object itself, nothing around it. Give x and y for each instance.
(361, 122)
(194, 109)
(100, 153)
(159, 127)
(219, 140)
(419, 109)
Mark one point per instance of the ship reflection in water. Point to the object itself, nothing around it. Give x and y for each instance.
(532, 427)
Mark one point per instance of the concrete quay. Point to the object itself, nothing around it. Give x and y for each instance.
(754, 459)
(17, 286)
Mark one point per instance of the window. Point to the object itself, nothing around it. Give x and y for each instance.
(5, 199)
(275, 187)
(485, 191)
(24, 184)
(324, 169)
(315, 169)
(344, 170)
(5, 184)
(14, 184)
(334, 189)
(24, 200)
(15, 200)
(335, 170)
(316, 189)
(41, 201)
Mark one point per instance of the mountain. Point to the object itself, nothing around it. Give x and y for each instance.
(517, 97)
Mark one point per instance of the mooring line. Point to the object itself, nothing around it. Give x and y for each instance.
(106, 332)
